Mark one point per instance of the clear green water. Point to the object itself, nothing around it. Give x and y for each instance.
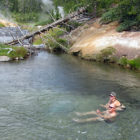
(38, 98)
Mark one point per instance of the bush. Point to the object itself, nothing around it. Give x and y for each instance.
(16, 52)
(105, 54)
(37, 41)
(123, 61)
(111, 15)
(53, 39)
(2, 25)
(72, 25)
(134, 63)
(126, 25)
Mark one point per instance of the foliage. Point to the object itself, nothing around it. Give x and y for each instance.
(127, 12)
(105, 54)
(123, 61)
(25, 17)
(72, 25)
(1, 25)
(37, 41)
(54, 38)
(111, 15)
(16, 52)
(126, 25)
(133, 63)
(21, 6)
(72, 5)
(19, 52)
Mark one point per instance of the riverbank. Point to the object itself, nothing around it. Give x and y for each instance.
(8, 53)
(101, 42)
(94, 41)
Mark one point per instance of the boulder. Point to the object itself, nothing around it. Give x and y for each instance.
(4, 58)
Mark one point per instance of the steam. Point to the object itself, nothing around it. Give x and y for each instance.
(48, 5)
(6, 19)
(61, 11)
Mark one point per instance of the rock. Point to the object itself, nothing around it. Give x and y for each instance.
(4, 58)
(96, 37)
(21, 58)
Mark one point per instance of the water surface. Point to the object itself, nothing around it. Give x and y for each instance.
(38, 98)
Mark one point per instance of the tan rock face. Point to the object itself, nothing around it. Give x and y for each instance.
(97, 37)
(7, 23)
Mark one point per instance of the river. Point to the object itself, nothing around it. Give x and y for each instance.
(38, 98)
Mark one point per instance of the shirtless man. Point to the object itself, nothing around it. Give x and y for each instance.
(113, 101)
(108, 115)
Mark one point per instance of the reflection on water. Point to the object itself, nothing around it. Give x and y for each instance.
(39, 96)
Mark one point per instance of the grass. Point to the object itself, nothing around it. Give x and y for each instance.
(2, 25)
(132, 63)
(106, 54)
(17, 52)
(37, 41)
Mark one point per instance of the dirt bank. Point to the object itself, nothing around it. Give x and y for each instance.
(7, 23)
(93, 37)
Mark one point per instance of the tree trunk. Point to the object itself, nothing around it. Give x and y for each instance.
(47, 27)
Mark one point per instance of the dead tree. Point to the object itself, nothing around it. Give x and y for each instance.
(47, 27)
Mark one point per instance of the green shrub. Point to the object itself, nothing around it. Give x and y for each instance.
(134, 63)
(105, 54)
(72, 25)
(20, 51)
(17, 51)
(38, 41)
(54, 40)
(111, 15)
(2, 25)
(123, 61)
(126, 25)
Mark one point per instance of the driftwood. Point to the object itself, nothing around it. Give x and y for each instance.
(47, 27)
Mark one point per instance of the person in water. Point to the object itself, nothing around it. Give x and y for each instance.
(113, 101)
(108, 115)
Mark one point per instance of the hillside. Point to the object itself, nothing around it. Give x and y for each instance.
(97, 37)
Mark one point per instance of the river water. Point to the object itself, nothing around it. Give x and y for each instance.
(38, 98)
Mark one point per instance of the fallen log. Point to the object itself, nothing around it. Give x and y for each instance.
(47, 27)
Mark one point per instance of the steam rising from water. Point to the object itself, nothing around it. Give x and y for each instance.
(6, 19)
(48, 5)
